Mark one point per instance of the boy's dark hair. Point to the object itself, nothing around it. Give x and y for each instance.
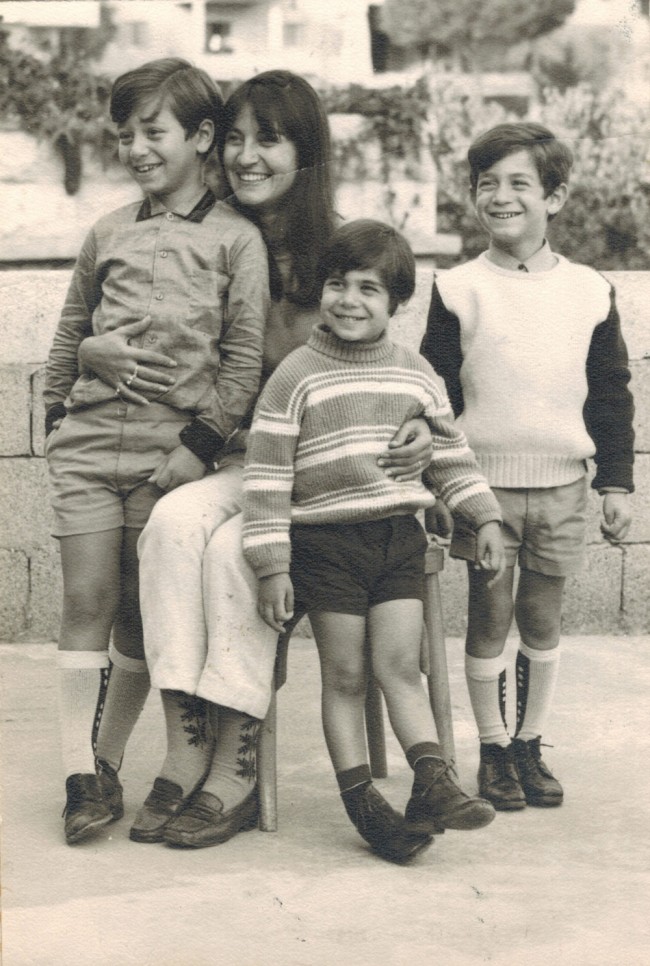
(284, 103)
(189, 92)
(552, 158)
(366, 243)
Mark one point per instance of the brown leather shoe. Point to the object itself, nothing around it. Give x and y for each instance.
(85, 810)
(439, 803)
(203, 822)
(539, 784)
(381, 826)
(498, 781)
(161, 804)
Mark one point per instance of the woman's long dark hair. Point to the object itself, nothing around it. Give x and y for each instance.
(284, 103)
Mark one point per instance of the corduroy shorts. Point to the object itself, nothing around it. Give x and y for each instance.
(347, 568)
(543, 529)
(100, 460)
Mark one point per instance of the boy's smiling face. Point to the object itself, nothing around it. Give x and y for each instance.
(511, 206)
(355, 305)
(155, 150)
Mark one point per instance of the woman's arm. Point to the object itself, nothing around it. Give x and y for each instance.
(409, 451)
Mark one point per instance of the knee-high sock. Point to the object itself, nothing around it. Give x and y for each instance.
(128, 687)
(486, 683)
(189, 739)
(536, 679)
(79, 680)
(234, 765)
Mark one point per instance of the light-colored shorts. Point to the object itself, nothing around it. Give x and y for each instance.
(100, 460)
(543, 530)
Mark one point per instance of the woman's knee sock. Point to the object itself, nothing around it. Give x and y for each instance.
(234, 766)
(189, 739)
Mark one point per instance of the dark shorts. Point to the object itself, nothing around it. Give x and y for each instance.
(348, 568)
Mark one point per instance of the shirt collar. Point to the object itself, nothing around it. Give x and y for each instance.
(151, 207)
(543, 260)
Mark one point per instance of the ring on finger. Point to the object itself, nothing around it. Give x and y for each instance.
(127, 382)
(118, 390)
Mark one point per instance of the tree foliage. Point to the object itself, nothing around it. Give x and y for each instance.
(462, 26)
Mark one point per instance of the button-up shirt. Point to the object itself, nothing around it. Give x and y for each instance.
(203, 280)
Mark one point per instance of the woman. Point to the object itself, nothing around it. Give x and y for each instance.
(203, 636)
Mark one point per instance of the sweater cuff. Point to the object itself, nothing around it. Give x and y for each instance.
(202, 440)
(57, 411)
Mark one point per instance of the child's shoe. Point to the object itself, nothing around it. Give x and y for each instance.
(381, 826)
(437, 802)
(498, 780)
(539, 785)
(85, 810)
(111, 788)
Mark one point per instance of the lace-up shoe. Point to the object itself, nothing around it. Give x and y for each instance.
(437, 802)
(85, 810)
(540, 786)
(498, 780)
(381, 826)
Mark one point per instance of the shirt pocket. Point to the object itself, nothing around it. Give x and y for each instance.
(208, 299)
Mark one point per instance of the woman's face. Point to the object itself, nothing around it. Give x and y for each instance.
(260, 165)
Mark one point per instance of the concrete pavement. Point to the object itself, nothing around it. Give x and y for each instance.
(567, 886)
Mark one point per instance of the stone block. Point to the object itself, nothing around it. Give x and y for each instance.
(25, 516)
(14, 593)
(47, 593)
(38, 412)
(632, 300)
(640, 386)
(592, 599)
(15, 410)
(31, 304)
(636, 599)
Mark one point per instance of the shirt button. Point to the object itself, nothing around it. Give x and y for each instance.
(159, 296)
(169, 216)
(163, 254)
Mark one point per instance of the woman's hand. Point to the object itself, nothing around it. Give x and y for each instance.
(137, 375)
(178, 467)
(409, 451)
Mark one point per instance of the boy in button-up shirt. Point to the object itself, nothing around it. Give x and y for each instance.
(199, 270)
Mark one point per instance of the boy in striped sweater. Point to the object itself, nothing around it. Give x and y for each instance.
(328, 533)
(530, 348)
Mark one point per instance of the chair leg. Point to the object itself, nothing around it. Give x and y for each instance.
(438, 675)
(375, 731)
(267, 786)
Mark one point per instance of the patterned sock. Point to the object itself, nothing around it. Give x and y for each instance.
(79, 679)
(128, 687)
(486, 683)
(189, 739)
(233, 772)
(536, 678)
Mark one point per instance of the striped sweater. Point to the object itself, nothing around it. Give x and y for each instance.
(324, 417)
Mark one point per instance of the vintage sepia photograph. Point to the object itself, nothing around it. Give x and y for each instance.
(325, 473)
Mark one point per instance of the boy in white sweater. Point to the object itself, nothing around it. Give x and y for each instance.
(327, 531)
(531, 351)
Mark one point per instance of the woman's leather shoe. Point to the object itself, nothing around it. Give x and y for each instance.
(160, 806)
(203, 822)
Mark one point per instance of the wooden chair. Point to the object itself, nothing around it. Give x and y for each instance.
(433, 661)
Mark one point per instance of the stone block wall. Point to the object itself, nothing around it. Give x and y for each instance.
(610, 596)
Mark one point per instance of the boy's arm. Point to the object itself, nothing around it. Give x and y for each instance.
(609, 409)
(241, 350)
(75, 323)
(268, 480)
(441, 348)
